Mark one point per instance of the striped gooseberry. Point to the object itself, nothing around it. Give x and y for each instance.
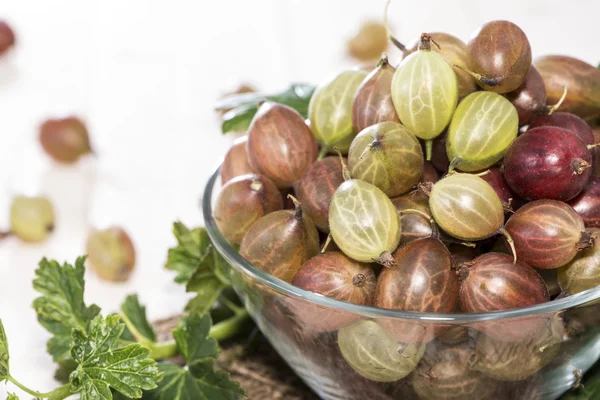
(363, 222)
(515, 361)
(466, 207)
(280, 242)
(375, 354)
(456, 54)
(481, 130)
(495, 178)
(236, 161)
(242, 201)
(425, 92)
(373, 101)
(330, 109)
(581, 79)
(583, 271)
(335, 275)
(316, 188)
(422, 280)
(388, 156)
(547, 233)
(499, 56)
(280, 144)
(446, 373)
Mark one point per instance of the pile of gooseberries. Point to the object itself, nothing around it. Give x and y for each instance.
(463, 179)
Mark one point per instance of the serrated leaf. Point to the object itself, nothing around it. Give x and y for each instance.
(207, 281)
(198, 380)
(64, 370)
(4, 354)
(192, 246)
(135, 318)
(102, 366)
(61, 307)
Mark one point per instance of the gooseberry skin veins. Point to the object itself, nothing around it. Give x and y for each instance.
(388, 156)
(482, 128)
(425, 93)
(363, 221)
(376, 355)
(466, 207)
(330, 108)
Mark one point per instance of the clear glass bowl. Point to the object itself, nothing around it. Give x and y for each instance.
(537, 352)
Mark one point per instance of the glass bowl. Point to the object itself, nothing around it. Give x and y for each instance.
(346, 351)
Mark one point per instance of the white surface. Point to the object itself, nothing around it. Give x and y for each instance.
(144, 74)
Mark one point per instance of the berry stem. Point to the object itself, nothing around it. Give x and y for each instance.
(390, 36)
(428, 149)
(327, 241)
(345, 170)
(297, 204)
(454, 164)
(323, 153)
(63, 391)
(551, 109)
(511, 243)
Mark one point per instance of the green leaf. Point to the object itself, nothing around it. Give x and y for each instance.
(12, 396)
(61, 307)
(135, 318)
(239, 119)
(192, 246)
(64, 370)
(4, 355)
(198, 380)
(209, 279)
(103, 365)
(244, 106)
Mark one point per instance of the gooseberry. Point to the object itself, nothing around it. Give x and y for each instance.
(547, 163)
(242, 201)
(495, 178)
(587, 203)
(236, 161)
(330, 109)
(373, 101)
(363, 222)
(31, 218)
(429, 174)
(7, 37)
(376, 355)
(482, 128)
(583, 271)
(111, 254)
(529, 98)
(65, 139)
(388, 156)
(499, 56)
(280, 242)
(316, 188)
(581, 79)
(280, 144)
(414, 225)
(567, 121)
(422, 280)
(547, 233)
(425, 92)
(369, 42)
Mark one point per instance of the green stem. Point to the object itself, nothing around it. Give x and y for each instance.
(64, 391)
(428, 149)
(61, 393)
(323, 153)
(222, 331)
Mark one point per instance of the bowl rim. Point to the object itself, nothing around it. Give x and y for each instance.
(240, 263)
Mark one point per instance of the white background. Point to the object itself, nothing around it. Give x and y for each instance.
(144, 75)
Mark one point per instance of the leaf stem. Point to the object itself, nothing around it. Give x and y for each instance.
(323, 153)
(222, 331)
(63, 391)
